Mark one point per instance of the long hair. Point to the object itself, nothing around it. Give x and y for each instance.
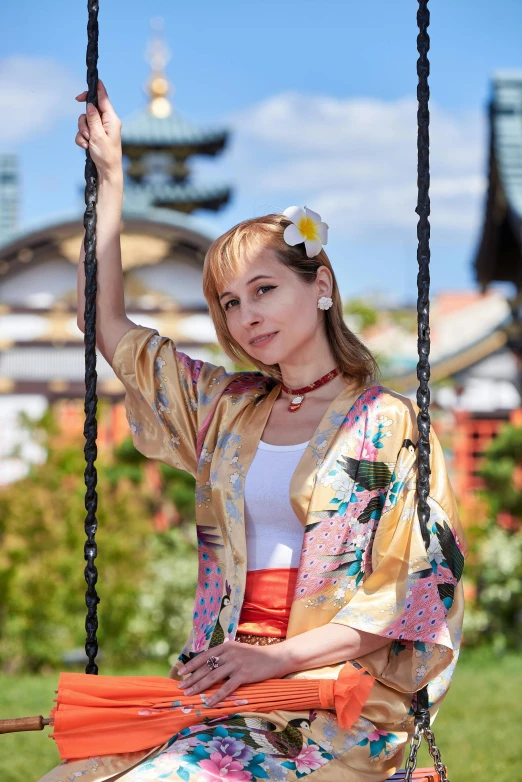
(223, 262)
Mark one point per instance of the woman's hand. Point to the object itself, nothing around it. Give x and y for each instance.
(100, 131)
(238, 663)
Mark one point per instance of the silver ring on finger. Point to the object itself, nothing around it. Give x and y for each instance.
(213, 662)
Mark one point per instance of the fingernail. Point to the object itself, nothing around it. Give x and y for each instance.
(189, 691)
(87, 136)
(182, 670)
(91, 107)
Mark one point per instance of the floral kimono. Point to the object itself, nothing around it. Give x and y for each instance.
(363, 564)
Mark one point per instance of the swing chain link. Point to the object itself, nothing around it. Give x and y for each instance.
(416, 741)
(411, 764)
(434, 751)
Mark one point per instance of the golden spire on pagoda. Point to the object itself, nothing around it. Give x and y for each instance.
(158, 85)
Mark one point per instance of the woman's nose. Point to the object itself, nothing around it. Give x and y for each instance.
(250, 317)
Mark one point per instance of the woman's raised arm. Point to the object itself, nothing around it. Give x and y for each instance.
(170, 398)
(100, 131)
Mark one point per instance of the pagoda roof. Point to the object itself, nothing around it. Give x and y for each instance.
(507, 119)
(466, 326)
(183, 196)
(146, 132)
(499, 254)
(39, 229)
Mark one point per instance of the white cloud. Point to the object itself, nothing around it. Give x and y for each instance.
(354, 161)
(35, 92)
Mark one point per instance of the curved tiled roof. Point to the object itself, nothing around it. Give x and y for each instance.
(507, 134)
(143, 129)
(465, 327)
(499, 254)
(209, 196)
(38, 229)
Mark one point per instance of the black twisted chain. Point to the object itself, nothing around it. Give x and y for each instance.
(423, 258)
(90, 429)
(422, 714)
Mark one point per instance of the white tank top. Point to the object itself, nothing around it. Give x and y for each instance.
(274, 534)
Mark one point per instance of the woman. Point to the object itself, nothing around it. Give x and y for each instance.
(310, 550)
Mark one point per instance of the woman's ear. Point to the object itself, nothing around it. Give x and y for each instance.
(324, 281)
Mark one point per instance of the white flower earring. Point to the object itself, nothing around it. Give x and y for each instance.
(324, 303)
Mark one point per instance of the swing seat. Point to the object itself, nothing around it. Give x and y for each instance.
(419, 775)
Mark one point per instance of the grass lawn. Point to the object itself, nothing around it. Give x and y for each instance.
(477, 729)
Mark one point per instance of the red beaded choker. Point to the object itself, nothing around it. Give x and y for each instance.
(299, 393)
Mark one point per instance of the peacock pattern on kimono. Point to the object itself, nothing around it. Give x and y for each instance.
(431, 588)
(209, 592)
(218, 635)
(247, 746)
(362, 490)
(262, 735)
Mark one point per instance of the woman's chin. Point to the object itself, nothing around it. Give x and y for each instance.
(268, 357)
(267, 354)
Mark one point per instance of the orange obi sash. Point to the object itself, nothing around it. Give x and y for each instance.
(267, 601)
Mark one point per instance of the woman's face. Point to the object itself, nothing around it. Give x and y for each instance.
(268, 298)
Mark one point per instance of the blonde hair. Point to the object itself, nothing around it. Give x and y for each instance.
(223, 262)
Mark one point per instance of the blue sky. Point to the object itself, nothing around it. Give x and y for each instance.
(320, 98)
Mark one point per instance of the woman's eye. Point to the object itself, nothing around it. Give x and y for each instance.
(261, 288)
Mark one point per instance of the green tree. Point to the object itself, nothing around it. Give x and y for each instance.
(42, 583)
(364, 313)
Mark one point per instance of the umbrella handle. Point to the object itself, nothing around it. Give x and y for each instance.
(24, 723)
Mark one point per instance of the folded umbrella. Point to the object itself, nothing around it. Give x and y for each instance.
(104, 715)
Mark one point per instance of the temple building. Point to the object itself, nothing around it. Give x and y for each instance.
(498, 259)
(499, 255)
(163, 246)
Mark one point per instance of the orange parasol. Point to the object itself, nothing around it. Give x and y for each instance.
(104, 715)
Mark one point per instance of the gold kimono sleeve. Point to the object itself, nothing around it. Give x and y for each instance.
(168, 394)
(413, 595)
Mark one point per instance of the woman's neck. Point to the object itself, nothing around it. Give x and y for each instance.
(326, 392)
(300, 373)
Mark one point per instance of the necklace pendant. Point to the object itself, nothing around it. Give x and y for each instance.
(296, 403)
(298, 399)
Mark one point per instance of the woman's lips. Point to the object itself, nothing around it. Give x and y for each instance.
(265, 340)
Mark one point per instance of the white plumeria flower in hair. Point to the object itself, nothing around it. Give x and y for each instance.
(306, 227)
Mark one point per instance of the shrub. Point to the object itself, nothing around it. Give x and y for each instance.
(494, 613)
(144, 578)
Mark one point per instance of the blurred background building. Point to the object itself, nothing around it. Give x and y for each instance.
(476, 334)
(163, 247)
